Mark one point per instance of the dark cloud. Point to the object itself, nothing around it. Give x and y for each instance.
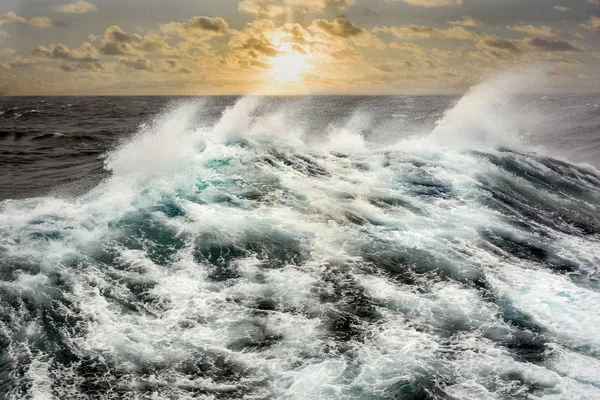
(389, 69)
(60, 51)
(259, 64)
(499, 44)
(141, 64)
(551, 45)
(18, 63)
(217, 25)
(116, 42)
(81, 66)
(384, 68)
(115, 34)
(118, 49)
(259, 45)
(172, 63)
(197, 28)
(174, 67)
(294, 33)
(341, 27)
(494, 54)
(152, 43)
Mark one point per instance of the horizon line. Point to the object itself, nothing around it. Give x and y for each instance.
(293, 95)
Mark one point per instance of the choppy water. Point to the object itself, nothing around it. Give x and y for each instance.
(317, 248)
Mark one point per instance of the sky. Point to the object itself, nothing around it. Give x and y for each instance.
(215, 47)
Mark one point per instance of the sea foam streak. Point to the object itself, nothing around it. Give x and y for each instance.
(240, 261)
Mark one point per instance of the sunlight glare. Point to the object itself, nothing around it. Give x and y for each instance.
(289, 66)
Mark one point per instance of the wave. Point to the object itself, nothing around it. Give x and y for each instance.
(252, 259)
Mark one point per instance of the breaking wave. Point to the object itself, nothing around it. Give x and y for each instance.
(249, 259)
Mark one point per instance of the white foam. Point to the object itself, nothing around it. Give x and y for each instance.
(555, 302)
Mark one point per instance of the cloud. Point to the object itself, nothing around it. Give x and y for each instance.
(85, 58)
(431, 3)
(389, 68)
(263, 8)
(12, 18)
(16, 62)
(141, 64)
(275, 8)
(384, 68)
(81, 66)
(547, 45)
(197, 28)
(174, 67)
(217, 25)
(257, 46)
(85, 54)
(495, 43)
(151, 42)
(534, 30)
(530, 49)
(171, 63)
(341, 27)
(407, 46)
(427, 32)
(8, 52)
(44, 22)
(467, 22)
(340, 48)
(257, 41)
(116, 42)
(261, 40)
(488, 54)
(38, 22)
(593, 24)
(561, 8)
(327, 45)
(78, 7)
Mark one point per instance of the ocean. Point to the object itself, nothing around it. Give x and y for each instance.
(325, 247)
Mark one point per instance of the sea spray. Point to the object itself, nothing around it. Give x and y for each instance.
(493, 114)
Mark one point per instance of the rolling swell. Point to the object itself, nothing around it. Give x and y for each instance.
(238, 260)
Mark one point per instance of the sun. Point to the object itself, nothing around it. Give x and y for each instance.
(290, 65)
